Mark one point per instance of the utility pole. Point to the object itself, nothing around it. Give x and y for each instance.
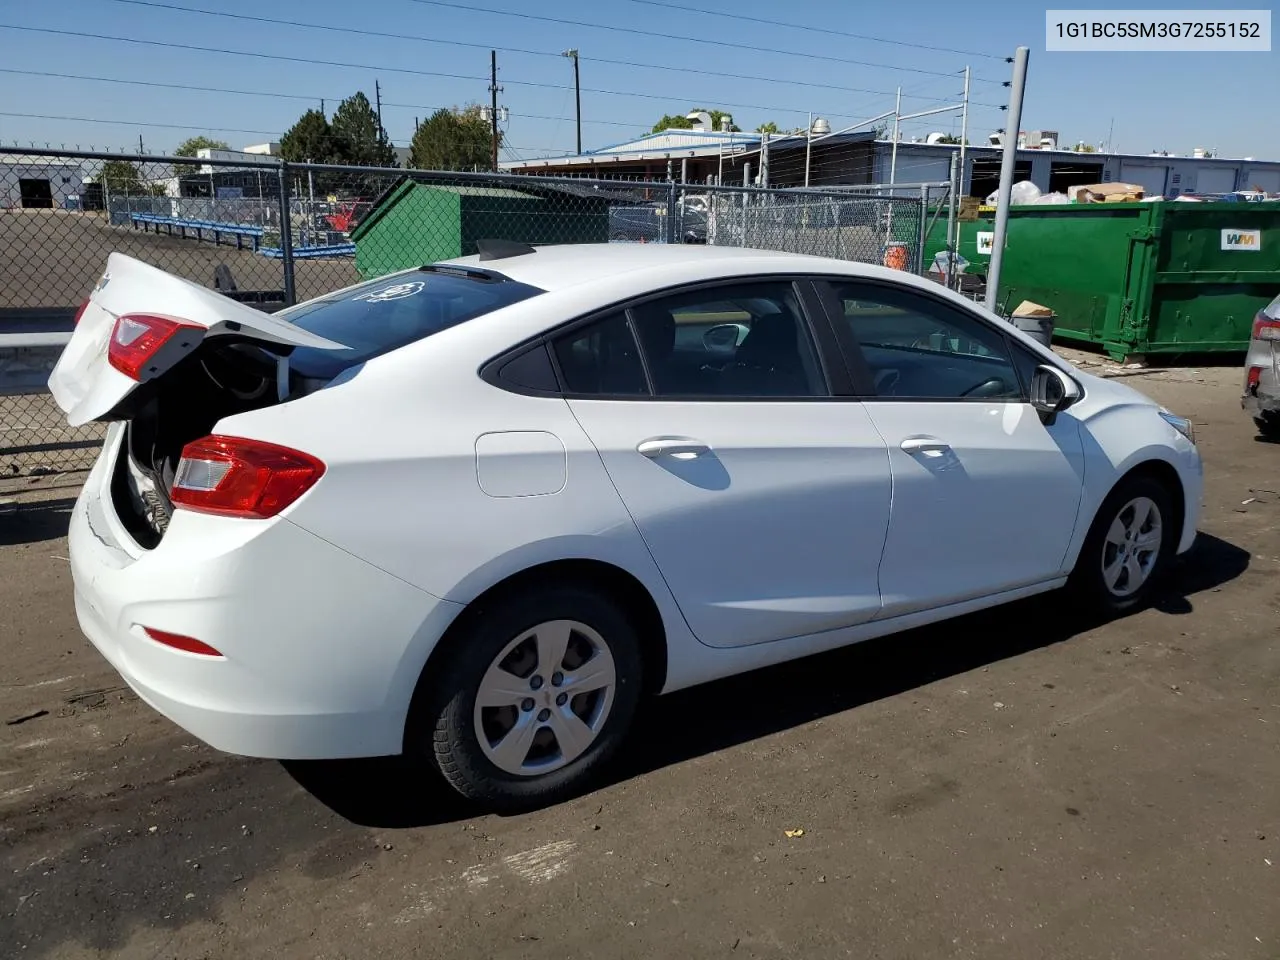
(893, 159)
(493, 116)
(1007, 165)
(964, 127)
(140, 150)
(377, 99)
(808, 147)
(577, 94)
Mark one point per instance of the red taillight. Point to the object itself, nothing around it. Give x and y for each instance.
(139, 337)
(1253, 378)
(80, 313)
(179, 642)
(235, 477)
(1266, 328)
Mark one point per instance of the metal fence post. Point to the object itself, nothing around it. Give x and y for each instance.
(286, 235)
(923, 237)
(673, 203)
(1007, 164)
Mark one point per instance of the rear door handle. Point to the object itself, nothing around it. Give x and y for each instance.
(925, 445)
(681, 448)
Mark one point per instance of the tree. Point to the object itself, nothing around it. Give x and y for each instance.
(681, 122)
(309, 140)
(192, 146)
(453, 139)
(948, 138)
(120, 178)
(1083, 147)
(358, 136)
(770, 128)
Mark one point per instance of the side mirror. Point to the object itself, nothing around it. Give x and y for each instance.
(1052, 391)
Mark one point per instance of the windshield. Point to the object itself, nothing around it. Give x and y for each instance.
(390, 312)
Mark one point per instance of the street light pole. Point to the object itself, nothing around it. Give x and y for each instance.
(577, 94)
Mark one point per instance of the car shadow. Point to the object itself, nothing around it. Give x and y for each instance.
(34, 521)
(396, 793)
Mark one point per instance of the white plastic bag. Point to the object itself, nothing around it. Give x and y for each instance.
(1054, 198)
(1022, 193)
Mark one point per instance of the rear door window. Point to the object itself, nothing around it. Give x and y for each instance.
(391, 312)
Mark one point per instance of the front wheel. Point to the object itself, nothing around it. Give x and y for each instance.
(1129, 546)
(534, 696)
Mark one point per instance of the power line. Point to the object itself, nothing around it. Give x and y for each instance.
(139, 123)
(473, 8)
(181, 126)
(485, 46)
(813, 29)
(667, 98)
(275, 95)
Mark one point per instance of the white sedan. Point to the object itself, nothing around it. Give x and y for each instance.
(475, 511)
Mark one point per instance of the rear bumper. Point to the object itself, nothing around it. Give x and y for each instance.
(1265, 397)
(321, 651)
(1256, 404)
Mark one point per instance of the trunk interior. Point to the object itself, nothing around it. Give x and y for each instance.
(221, 378)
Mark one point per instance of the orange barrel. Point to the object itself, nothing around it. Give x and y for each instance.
(895, 255)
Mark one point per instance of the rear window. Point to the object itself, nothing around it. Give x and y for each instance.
(390, 312)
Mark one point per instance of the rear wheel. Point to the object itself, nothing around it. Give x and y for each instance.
(535, 695)
(1268, 425)
(1129, 546)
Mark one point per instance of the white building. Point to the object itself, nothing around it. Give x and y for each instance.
(28, 180)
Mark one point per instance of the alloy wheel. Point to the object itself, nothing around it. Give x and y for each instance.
(1132, 547)
(545, 698)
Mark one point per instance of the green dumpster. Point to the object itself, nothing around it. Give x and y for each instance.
(415, 223)
(973, 243)
(1137, 278)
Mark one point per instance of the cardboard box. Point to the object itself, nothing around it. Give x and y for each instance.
(1106, 193)
(1028, 308)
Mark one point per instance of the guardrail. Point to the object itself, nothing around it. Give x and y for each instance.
(238, 230)
(312, 253)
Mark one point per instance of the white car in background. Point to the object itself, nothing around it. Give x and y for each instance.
(477, 510)
(1261, 397)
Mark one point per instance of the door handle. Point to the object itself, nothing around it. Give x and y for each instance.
(681, 448)
(925, 445)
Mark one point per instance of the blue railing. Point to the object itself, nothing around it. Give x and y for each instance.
(240, 231)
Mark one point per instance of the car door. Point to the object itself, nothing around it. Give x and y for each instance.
(985, 495)
(763, 498)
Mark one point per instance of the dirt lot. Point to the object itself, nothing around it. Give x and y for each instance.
(1017, 784)
(54, 257)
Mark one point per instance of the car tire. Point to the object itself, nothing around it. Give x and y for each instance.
(1268, 425)
(468, 743)
(1118, 527)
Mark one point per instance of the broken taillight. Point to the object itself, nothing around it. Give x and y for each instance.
(1266, 328)
(138, 338)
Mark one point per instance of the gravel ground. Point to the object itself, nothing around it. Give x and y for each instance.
(1015, 784)
(54, 257)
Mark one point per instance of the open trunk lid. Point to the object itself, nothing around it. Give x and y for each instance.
(176, 316)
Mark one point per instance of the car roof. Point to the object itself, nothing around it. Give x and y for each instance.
(561, 266)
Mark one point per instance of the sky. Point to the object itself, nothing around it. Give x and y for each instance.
(640, 59)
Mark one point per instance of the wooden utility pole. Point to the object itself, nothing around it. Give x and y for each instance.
(493, 114)
(377, 98)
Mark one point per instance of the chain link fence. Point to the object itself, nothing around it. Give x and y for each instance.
(271, 234)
